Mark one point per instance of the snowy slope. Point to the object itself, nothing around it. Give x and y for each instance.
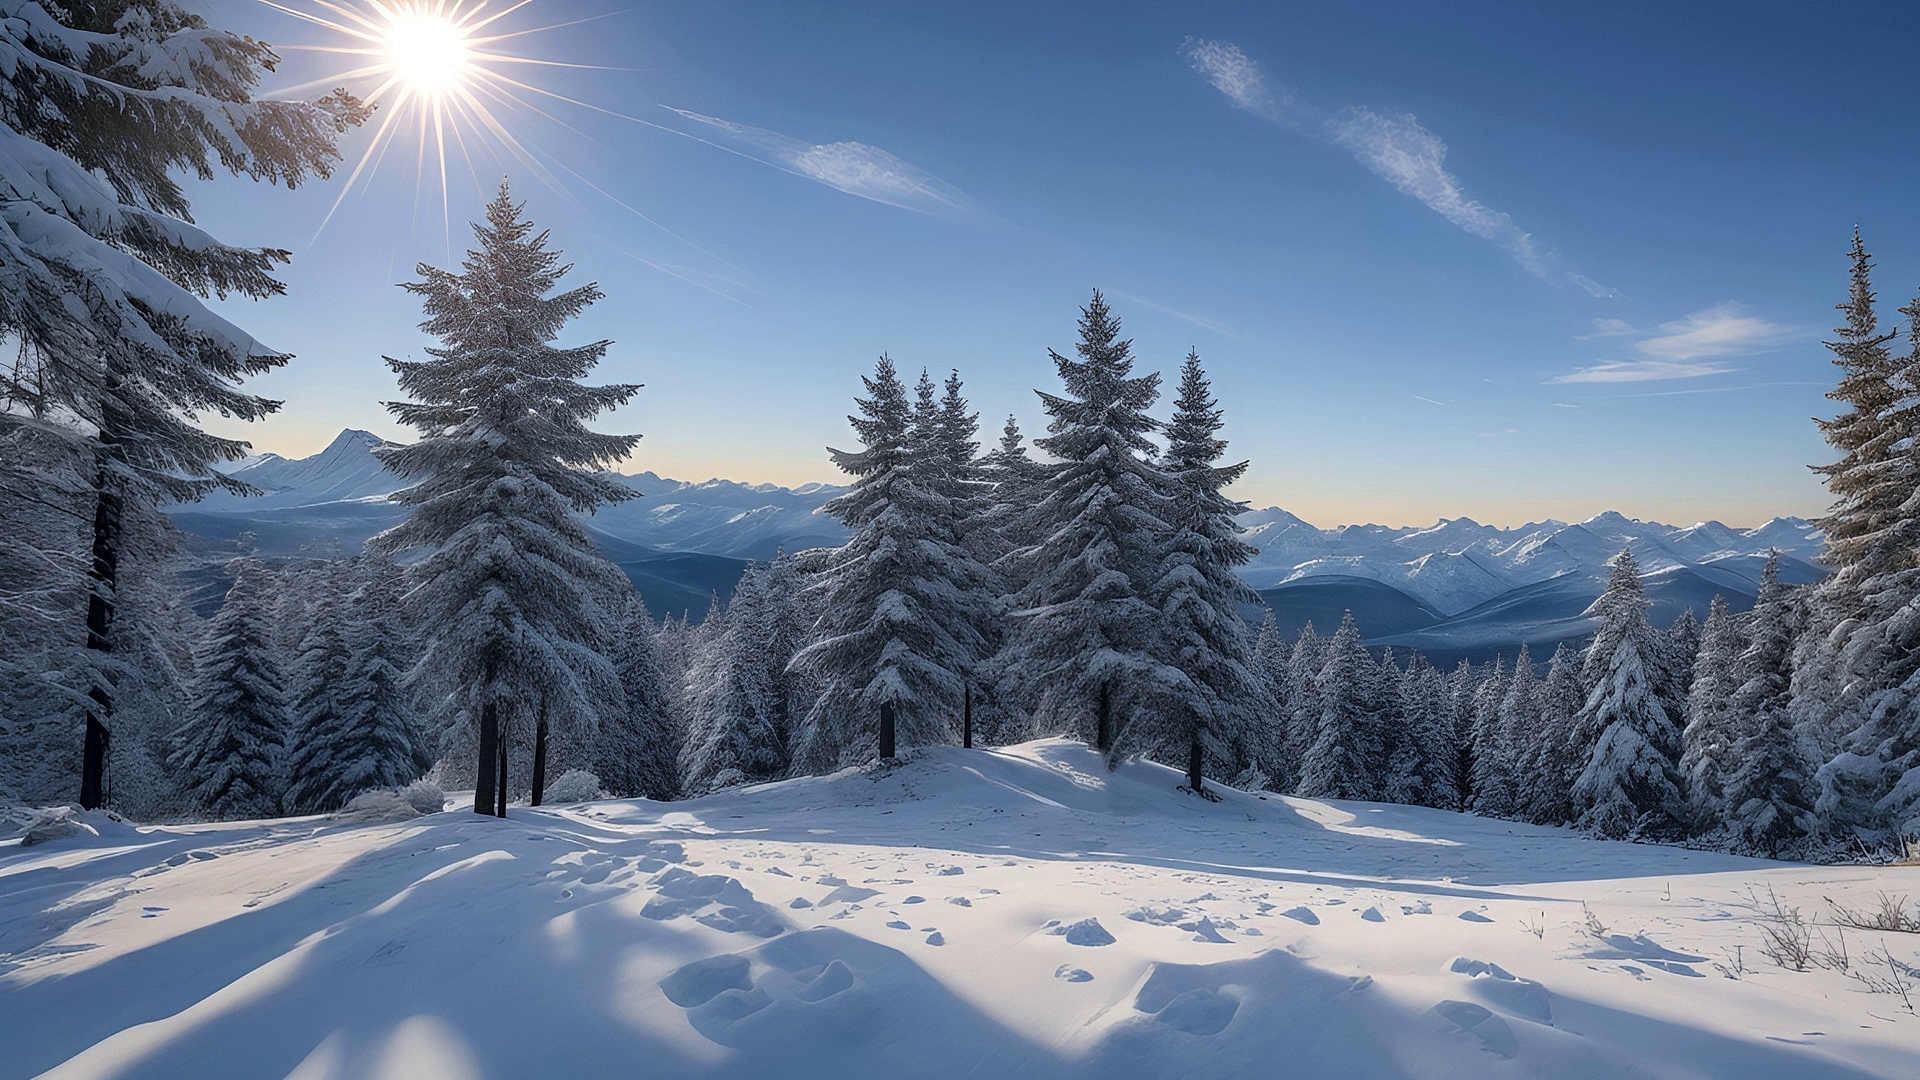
(1019, 913)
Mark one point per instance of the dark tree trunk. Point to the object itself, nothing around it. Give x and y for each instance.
(104, 574)
(540, 760)
(1196, 760)
(500, 788)
(966, 717)
(1103, 735)
(489, 753)
(886, 732)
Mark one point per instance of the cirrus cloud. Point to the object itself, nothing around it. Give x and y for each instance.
(1685, 348)
(1393, 146)
(853, 167)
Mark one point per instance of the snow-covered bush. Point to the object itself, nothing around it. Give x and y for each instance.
(375, 807)
(424, 796)
(574, 785)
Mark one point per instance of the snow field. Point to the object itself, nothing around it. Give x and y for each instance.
(1016, 913)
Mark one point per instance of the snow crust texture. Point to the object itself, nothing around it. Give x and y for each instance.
(1012, 913)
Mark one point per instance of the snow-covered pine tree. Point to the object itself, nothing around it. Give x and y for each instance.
(738, 689)
(635, 752)
(1504, 745)
(1546, 775)
(102, 274)
(1301, 695)
(1872, 726)
(1421, 768)
(1199, 594)
(1630, 785)
(1271, 652)
(229, 749)
(1706, 743)
(1677, 648)
(353, 727)
(1088, 646)
(906, 611)
(1766, 801)
(1016, 480)
(1347, 741)
(1485, 759)
(511, 589)
(1463, 686)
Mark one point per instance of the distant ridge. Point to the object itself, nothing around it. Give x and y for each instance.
(1453, 588)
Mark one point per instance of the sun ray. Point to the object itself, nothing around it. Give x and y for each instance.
(436, 72)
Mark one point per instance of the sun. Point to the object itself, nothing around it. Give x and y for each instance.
(428, 52)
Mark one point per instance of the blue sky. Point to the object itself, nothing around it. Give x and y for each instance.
(1495, 260)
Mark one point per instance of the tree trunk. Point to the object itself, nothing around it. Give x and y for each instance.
(489, 752)
(886, 731)
(1196, 760)
(104, 574)
(966, 716)
(1103, 735)
(500, 788)
(540, 759)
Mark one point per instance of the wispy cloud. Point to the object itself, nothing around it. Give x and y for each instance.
(1723, 330)
(1686, 348)
(1603, 328)
(852, 167)
(1428, 400)
(1619, 371)
(1393, 146)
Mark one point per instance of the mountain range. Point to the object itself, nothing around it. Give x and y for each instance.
(1455, 588)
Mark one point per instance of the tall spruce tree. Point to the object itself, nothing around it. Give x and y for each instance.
(1200, 595)
(1707, 742)
(1630, 785)
(1555, 762)
(353, 728)
(1341, 762)
(1088, 646)
(1421, 765)
(229, 749)
(1765, 791)
(742, 700)
(906, 610)
(103, 275)
(512, 586)
(635, 751)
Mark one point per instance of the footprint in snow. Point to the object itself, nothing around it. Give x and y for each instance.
(1372, 914)
(1072, 974)
(959, 901)
(896, 924)
(914, 900)
(1302, 914)
(1494, 1034)
(1474, 916)
(935, 938)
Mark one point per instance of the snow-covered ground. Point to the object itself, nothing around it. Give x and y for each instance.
(984, 914)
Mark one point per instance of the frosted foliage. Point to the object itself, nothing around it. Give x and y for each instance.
(513, 594)
(906, 610)
(100, 107)
(574, 786)
(1087, 636)
(1226, 704)
(353, 724)
(1341, 762)
(1765, 797)
(229, 749)
(635, 747)
(1707, 741)
(1630, 784)
(741, 698)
